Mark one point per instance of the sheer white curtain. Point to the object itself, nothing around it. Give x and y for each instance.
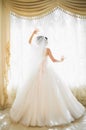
(67, 36)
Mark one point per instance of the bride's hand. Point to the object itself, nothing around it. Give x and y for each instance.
(62, 58)
(36, 31)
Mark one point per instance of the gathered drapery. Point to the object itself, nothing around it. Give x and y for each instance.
(36, 8)
(74, 6)
(31, 9)
(4, 56)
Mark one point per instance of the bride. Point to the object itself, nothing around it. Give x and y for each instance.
(44, 100)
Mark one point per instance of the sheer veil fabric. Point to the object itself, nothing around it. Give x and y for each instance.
(44, 99)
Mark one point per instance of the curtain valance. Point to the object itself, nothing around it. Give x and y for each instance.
(77, 7)
(33, 8)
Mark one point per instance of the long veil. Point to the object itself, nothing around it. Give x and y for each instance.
(35, 54)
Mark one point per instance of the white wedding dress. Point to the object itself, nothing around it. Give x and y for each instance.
(44, 99)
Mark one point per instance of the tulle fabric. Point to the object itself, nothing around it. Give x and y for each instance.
(44, 99)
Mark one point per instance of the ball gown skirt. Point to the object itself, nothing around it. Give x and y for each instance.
(45, 100)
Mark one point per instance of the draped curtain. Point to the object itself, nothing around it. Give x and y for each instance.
(41, 7)
(4, 53)
(31, 9)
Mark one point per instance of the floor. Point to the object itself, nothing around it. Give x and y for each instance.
(6, 124)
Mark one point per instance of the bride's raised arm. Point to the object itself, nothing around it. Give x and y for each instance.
(31, 37)
(49, 53)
